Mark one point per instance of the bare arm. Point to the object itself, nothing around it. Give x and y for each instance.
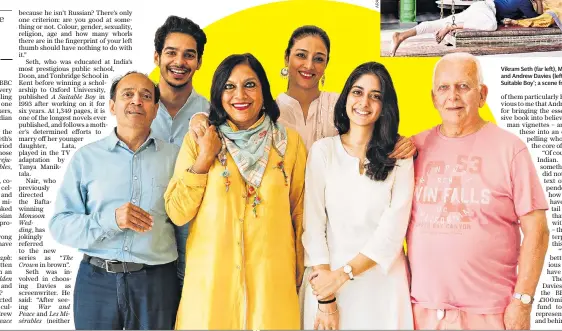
(533, 250)
(517, 316)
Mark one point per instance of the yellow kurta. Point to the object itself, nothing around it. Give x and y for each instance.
(242, 272)
(545, 20)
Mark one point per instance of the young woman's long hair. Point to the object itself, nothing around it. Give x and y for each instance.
(385, 131)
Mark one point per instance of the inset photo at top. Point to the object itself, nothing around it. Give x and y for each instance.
(416, 28)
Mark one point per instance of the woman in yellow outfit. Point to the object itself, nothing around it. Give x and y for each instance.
(241, 188)
(551, 12)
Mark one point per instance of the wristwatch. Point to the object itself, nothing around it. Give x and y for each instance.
(524, 298)
(348, 271)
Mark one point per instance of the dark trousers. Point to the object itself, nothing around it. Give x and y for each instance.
(143, 300)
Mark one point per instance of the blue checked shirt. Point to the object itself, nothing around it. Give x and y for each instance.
(100, 178)
(172, 130)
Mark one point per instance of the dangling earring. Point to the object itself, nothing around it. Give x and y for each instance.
(284, 72)
(323, 79)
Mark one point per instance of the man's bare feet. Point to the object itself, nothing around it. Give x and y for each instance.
(396, 41)
(440, 35)
(508, 21)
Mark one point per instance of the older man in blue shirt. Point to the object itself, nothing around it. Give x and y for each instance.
(111, 207)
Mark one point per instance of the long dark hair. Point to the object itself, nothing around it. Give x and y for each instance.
(218, 114)
(385, 131)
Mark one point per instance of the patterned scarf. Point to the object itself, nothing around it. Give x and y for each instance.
(250, 148)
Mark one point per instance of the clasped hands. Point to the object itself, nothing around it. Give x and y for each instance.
(324, 284)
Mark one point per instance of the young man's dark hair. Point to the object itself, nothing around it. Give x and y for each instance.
(182, 25)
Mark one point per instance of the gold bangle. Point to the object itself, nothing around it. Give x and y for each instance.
(327, 313)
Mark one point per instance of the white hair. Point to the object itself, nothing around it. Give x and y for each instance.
(461, 56)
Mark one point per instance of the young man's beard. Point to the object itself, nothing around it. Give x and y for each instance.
(178, 86)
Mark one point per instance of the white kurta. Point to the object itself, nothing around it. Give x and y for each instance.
(320, 118)
(347, 213)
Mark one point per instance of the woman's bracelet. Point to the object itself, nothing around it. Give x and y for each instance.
(327, 301)
(327, 313)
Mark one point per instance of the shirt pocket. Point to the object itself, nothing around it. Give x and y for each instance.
(157, 205)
